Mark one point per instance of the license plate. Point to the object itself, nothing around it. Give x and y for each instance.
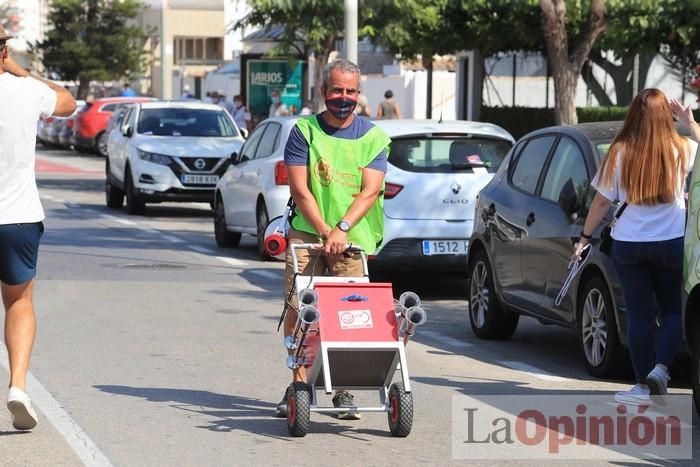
(200, 179)
(445, 247)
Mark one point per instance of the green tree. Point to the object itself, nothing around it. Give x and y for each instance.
(681, 45)
(309, 26)
(93, 40)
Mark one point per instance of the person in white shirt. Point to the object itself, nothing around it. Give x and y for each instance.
(24, 99)
(277, 108)
(240, 113)
(645, 169)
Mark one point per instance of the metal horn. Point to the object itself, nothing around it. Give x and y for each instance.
(308, 297)
(414, 317)
(409, 299)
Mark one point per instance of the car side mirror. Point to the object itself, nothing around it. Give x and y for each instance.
(244, 133)
(127, 131)
(234, 158)
(568, 199)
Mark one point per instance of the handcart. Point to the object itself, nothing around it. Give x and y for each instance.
(350, 334)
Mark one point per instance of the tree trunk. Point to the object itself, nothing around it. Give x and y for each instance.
(321, 62)
(428, 65)
(83, 86)
(566, 65)
(622, 74)
(593, 84)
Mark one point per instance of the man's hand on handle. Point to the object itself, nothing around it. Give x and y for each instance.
(336, 243)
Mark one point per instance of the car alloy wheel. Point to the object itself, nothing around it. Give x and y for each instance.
(102, 144)
(479, 295)
(598, 339)
(594, 327)
(262, 221)
(487, 317)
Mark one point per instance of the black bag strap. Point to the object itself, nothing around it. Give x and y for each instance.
(621, 210)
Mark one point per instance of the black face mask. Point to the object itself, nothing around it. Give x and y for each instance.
(341, 107)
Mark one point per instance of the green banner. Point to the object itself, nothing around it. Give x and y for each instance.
(266, 76)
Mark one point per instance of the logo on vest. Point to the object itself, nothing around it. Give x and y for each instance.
(324, 172)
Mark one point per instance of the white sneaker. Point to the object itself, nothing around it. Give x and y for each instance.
(20, 406)
(638, 395)
(657, 380)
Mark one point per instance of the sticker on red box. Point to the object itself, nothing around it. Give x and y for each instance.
(355, 319)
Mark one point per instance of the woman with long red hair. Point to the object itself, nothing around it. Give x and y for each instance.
(645, 170)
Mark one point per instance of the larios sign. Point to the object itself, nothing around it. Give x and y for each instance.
(266, 78)
(570, 427)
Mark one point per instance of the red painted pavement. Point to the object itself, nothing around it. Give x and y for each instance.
(44, 166)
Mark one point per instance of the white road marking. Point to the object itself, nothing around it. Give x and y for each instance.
(59, 200)
(49, 197)
(451, 341)
(533, 371)
(119, 219)
(268, 274)
(232, 261)
(200, 249)
(172, 239)
(72, 205)
(77, 439)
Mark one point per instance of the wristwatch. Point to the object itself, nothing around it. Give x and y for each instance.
(343, 225)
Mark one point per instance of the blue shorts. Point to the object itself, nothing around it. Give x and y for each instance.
(19, 248)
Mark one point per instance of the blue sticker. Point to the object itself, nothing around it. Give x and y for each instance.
(354, 298)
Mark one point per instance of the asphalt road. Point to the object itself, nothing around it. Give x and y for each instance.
(155, 347)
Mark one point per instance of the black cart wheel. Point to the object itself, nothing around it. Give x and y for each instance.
(401, 411)
(299, 409)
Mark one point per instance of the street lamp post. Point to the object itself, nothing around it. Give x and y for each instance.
(351, 30)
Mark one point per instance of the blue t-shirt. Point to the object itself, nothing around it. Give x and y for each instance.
(296, 152)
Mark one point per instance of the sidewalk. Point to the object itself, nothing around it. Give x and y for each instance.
(42, 446)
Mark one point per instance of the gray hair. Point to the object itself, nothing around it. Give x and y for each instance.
(346, 66)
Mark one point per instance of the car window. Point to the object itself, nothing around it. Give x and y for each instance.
(186, 122)
(108, 108)
(449, 154)
(125, 119)
(530, 163)
(567, 164)
(251, 144)
(268, 142)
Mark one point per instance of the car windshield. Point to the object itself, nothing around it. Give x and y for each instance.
(448, 154)
(185, 122)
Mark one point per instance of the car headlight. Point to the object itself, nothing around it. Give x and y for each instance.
(155, 158)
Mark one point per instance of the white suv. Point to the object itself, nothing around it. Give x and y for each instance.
(169, 151)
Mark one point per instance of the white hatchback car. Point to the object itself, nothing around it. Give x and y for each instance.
(255, 187)
(169, 151)
(435, 172)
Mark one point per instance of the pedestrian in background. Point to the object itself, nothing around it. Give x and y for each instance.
(277, 108)
(219, 98)
(645, 169)
(363, 109)
(186, 94)
(24, 99)
(388, 109)
(240, 113)
(127, 91)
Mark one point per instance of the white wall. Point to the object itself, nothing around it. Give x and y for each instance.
(410, 93)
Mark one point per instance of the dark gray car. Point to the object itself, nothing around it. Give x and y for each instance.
(526, 222)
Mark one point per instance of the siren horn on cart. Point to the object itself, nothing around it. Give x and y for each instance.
(414, 317)
(409, 299)
(308, 297)
(307, 317)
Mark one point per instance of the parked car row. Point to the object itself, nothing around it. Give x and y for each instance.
(459, 196)
(85, 130)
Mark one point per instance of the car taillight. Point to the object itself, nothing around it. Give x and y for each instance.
(281, 177)
(391, 190)
(49, 120)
